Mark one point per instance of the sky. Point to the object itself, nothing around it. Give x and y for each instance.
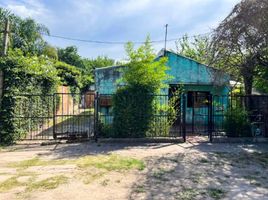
(121, 20)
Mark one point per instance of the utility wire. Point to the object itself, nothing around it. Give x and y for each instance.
(118, 42)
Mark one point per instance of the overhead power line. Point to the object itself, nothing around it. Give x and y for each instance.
(117, 42)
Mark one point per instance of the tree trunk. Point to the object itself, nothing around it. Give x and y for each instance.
(248, 82)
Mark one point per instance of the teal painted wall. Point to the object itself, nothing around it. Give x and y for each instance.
(193, 75)
(189, 73)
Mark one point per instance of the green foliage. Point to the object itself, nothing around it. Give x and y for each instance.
(261, 80)
(27, 75)
(143, 69)
(236, 122)
(70, 56)
(86, 66)
(198, 49)
(165, 114)
(100, 61)
(133, 111)
(133, 104)
(26, 33)
(69, 74)
(50, 51)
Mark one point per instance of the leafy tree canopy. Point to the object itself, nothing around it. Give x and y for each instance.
(197, 49)
(143, 69)
(26, 33)
(241, 40)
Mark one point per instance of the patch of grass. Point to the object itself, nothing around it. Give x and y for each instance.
(216, 193)
(204, 160)
(187, 194)
(36, 162)
(88, 176)
(160, 174)
(196, 177)
(139, 189)
(47, 184)
(9, 184)
(110, 162)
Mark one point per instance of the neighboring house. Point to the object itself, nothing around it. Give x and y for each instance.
(198, 82)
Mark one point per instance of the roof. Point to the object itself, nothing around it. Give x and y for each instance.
(161, 53)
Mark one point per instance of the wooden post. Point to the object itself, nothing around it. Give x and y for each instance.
(4, 53)
(5, 40)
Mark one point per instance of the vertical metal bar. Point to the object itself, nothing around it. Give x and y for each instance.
(193, 113)
(210, 118)
(96, 118)
(54, 97)
(62, 113)
(184, 117)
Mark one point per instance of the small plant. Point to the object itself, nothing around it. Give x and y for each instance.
(216, 193)
(140, 189)
(187, 194)
(9, 184)
(236, 123)
(48, 184)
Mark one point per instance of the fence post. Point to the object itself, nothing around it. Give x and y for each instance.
(184, 117)
(210, 117)
(96, 117)
(54, 115)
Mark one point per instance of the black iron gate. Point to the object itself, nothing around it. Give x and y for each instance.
(55, 116)
(68, 115)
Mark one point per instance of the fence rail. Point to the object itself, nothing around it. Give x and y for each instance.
(68, 115)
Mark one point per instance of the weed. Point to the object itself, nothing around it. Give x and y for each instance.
(110, 162)
(216, 193)
(89, 177)
(187, 194)
(36, 162)
(161, 173)
(47, 184)
(139, 189)
(204, 160)
(9, 184)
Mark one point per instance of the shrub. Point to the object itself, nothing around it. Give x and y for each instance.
(236, 122)
(24, 75)
(133, 111)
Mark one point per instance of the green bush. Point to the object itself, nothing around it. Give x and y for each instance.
(133, 111)
(24, 75)
(236, 122)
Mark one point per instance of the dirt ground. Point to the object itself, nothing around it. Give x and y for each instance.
(111, 171)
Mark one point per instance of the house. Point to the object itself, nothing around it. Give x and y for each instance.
(198, 81)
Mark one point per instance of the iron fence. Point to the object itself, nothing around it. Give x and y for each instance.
(68, 115)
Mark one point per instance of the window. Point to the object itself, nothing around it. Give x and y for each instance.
(197, 99)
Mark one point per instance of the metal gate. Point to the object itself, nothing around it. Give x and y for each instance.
(69, 115)
(55, 116)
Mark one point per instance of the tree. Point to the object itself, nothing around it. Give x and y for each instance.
(133, 103)
(26, 33)
(241, 40)
(198, 49)
(70, 56)
(143, 69)
(50, 51)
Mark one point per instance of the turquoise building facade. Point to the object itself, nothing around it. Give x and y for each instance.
(197, 80)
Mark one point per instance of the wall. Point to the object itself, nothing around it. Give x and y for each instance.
(188, 71)
(107, 79)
